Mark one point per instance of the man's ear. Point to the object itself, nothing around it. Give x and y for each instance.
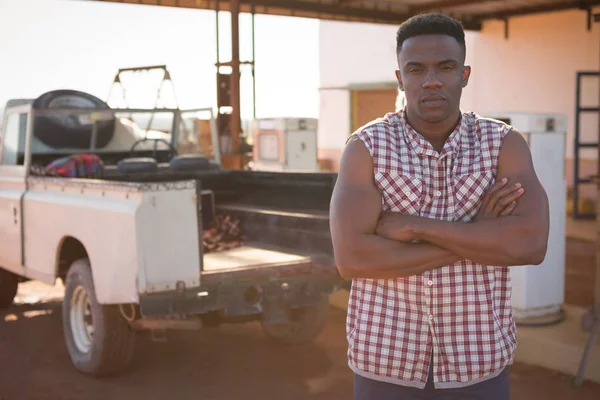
(465, 75)
(399, 78)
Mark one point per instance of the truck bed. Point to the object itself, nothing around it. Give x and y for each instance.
(256, 261)
(246, 257)
(295, 212)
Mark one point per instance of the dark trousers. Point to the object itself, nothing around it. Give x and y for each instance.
(493, 389)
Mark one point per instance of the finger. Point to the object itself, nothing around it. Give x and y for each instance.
(499, 184)
(502, 204)
(507, 190)
(510, 197)
(495, 187)
(500, 194)
(509, 209)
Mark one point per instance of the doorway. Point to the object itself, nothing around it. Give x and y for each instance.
(372, 103)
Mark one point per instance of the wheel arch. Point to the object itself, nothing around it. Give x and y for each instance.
(69, 250)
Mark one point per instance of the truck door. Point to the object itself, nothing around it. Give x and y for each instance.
(12, 186)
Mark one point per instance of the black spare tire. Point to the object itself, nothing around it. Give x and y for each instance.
(189, 162)
(72, 130)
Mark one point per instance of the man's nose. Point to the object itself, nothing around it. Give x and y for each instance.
(432, 81)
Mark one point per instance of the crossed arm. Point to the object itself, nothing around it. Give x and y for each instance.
(371, 245)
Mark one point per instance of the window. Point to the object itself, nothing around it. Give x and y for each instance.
(13, 142)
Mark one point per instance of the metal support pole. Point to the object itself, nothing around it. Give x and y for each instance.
(235, 77)
(594, 332)
(596, 19)
(217, 28)
(253, 68)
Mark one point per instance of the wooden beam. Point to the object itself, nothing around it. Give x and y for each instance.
(442, 5)
(540, 9)
(334, 9)
(356, 11)
(391, 17)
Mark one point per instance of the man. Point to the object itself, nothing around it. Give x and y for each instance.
(430, 208)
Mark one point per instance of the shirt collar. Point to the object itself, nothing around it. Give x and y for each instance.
(422, 147)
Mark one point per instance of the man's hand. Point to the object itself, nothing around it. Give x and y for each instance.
(398, 227)
(500, 200)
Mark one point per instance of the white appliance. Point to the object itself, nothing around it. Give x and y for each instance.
(285, 144)
(538, 290)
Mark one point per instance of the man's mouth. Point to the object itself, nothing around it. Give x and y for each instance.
(433, 101)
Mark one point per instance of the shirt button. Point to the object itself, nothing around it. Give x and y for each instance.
(438, 193)
(430, 283)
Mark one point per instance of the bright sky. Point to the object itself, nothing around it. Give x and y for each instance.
(74, 44)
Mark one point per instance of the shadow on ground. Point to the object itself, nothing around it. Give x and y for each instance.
(229, 362)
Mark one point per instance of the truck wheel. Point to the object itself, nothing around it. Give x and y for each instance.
(306, 324)
(9, 283)
(98, 338)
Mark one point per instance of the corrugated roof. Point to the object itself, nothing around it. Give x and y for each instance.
(471, 12)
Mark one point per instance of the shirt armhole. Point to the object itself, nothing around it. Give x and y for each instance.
(365, 136)
(504, 131)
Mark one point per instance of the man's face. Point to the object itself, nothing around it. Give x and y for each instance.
(432, 74)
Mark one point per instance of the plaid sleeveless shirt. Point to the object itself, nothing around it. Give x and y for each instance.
(459, 316)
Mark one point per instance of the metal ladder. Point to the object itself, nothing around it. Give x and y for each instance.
(579, 144)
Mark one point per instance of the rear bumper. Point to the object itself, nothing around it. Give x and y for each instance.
(251, 298)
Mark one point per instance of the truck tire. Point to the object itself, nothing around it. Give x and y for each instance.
(72, 131)
(9, 283)
(98, 338)
(307, 323)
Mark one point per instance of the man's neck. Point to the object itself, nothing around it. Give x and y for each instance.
(434, 133)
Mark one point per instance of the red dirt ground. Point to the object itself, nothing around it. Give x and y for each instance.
(580, 272)
(230, 362)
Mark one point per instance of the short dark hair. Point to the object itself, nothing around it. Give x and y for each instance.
(430, 24)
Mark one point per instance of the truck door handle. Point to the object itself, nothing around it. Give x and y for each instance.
(15, 214)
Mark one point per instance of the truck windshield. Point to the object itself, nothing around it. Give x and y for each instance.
(102, 131)
(114, 134)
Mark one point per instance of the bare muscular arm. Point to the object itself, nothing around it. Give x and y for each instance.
(354, 212)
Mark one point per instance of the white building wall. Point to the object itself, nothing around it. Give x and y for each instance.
(352, 52)
(334, 120)
(349, 53)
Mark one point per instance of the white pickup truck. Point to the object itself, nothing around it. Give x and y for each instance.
(127, 238)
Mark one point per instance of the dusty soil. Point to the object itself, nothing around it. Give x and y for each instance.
(580, 273)
(230, 362)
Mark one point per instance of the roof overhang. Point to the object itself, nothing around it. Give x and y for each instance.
(472, 13)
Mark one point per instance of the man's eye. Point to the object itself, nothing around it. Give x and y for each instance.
(416, 70)
(447, 68)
